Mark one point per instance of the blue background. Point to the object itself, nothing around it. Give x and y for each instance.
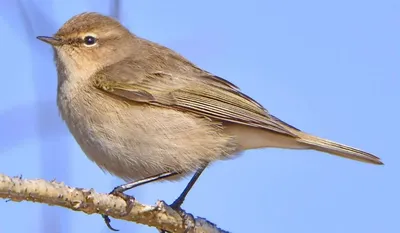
(330, 68)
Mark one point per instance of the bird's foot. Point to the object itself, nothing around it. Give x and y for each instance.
(129, 200)
(188, 219)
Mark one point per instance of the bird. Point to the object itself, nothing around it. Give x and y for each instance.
(145, 113)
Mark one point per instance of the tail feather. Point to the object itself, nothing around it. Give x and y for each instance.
(338, 149)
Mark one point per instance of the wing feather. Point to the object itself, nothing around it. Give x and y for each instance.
(202, 94)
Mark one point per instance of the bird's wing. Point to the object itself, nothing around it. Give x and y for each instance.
(202, 94)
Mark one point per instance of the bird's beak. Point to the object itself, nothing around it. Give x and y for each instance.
(50, 40)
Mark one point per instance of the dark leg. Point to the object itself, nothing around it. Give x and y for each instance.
(176, 205)
(119, 191)
(134, 184)
(179, 201)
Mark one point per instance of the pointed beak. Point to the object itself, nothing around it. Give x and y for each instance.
(50, 40)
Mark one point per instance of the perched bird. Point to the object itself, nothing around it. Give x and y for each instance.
(145, 113)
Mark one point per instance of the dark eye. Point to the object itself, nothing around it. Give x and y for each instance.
(89, 40)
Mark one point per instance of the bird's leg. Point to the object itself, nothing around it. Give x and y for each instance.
(119, 192)
(179, 201)
(176, 205)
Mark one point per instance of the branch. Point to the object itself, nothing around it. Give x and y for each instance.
(88, 201)
(116, 9)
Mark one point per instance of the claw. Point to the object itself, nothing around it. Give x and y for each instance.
(107, 220)
(130, 202)
(188, 219)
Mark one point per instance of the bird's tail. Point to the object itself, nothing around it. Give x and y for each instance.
(338, 149)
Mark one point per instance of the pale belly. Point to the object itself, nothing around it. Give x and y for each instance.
(138, 141)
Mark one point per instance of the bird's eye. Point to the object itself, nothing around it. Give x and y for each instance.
(89, 40)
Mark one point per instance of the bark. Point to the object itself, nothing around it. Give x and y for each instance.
(160, 216)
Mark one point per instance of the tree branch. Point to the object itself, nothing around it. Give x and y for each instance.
(88, 201)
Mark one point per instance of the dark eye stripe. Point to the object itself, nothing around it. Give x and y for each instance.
(74, 41)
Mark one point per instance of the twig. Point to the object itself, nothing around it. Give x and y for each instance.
(88, 201)
(116, 9)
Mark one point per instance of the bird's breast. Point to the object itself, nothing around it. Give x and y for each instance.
(95, 122)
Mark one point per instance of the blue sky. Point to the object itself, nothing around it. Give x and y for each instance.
(330, 68)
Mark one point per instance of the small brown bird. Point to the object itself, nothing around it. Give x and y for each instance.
(144, 113)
